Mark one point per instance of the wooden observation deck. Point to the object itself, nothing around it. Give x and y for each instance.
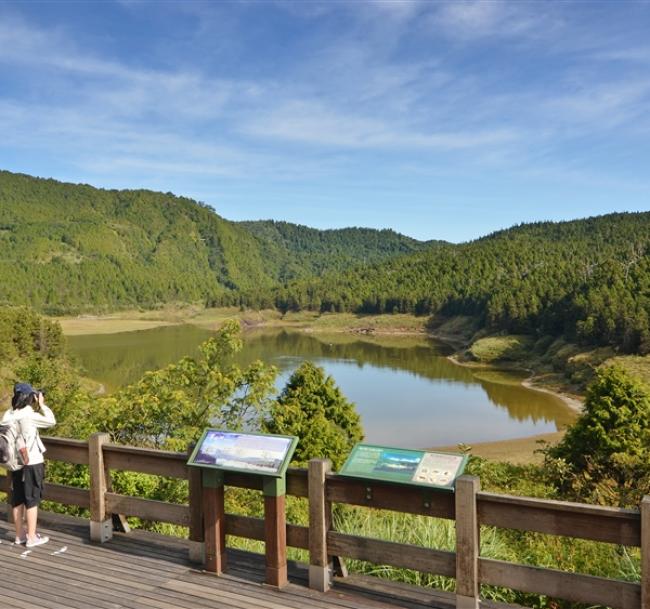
(142, 570)
(88, 564)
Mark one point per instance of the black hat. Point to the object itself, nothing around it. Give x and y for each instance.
(24, 388)
(23, 395)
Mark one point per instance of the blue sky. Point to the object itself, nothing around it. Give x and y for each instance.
(440, 120)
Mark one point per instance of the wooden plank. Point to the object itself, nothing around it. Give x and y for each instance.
(320, 516)
(645, 552)
(39, 559)
(597, 523)
(297, 482)
(382, 588)
(28, 573)
(298, 597)
(253, 528)
(105, 559)
(146, 461)
(65, 449)
(215, 528)
(100, 529)
(195, 501)
(245, 526)
(559, 584)
(275, 540)
(298, 536)
(295, 596)
(167, 598)
(386, 496)
(225, 598)
(400, 555)
(319, 523)
(467, 541)
(67, 495)
(148, 509)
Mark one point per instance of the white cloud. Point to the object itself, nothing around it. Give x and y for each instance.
(475, 19)
(317, 125)
(601, 106)
(323, 111)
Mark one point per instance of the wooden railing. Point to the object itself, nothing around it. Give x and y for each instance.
(468, 506)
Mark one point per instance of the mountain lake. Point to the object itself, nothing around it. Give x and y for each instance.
(406, 389)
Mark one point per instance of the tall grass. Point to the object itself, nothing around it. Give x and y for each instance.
(562, 553)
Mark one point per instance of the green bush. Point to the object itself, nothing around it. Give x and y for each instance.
(605, 456)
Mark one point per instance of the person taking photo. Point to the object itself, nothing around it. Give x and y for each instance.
(29, 413)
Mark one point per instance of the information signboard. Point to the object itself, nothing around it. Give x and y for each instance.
(251, 453)
(418, 467)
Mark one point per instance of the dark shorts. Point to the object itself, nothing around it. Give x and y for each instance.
(27, 485)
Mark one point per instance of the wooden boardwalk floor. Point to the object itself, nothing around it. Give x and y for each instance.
(147, 571)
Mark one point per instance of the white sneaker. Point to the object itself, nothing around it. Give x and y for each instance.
(19, 542)
(39, 541)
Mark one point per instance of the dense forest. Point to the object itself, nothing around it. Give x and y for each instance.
(313, 252)
(70, 247)
(587, 279)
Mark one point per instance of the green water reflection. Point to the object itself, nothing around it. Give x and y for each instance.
(406, 390)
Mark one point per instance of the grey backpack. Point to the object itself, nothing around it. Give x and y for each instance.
(11, 441)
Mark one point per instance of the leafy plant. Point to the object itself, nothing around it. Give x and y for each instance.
(313, 408)
(605, 456)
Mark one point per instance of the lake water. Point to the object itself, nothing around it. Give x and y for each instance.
(407, 391)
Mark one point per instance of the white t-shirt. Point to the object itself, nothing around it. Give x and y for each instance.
(30, 422)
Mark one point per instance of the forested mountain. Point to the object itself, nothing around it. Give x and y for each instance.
(586, 279)
(308, 251)
(67, 247)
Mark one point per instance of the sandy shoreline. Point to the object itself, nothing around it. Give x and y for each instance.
(519, 451)
(572, 402)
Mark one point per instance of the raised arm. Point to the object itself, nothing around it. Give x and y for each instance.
(47, 418)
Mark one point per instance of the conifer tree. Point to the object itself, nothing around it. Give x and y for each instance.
(313, 408)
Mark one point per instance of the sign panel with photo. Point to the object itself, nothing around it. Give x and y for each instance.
(402, 465)
(244, 452)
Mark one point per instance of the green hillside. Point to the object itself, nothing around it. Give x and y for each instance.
(67, 247)
(304, 251)
(586, 279)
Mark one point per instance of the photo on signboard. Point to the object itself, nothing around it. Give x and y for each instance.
(240, 451)
(394, 462)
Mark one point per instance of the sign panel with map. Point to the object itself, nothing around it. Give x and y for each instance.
(244, 452)
(418, 467)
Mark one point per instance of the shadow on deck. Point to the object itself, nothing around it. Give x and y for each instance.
(143, 570)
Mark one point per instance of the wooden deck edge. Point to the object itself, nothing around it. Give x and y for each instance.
(408, 593)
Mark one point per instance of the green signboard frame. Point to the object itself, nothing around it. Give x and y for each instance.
(400, 465)
(199, 454)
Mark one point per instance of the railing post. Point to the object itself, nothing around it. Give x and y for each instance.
(214, 514)
(320, 517)
(645, 552)
(197, 544)
(467, 543)
(275, 532)
(101, 524)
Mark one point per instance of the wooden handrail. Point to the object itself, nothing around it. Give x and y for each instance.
(574, 587)
(64, 449)
(595, 523)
